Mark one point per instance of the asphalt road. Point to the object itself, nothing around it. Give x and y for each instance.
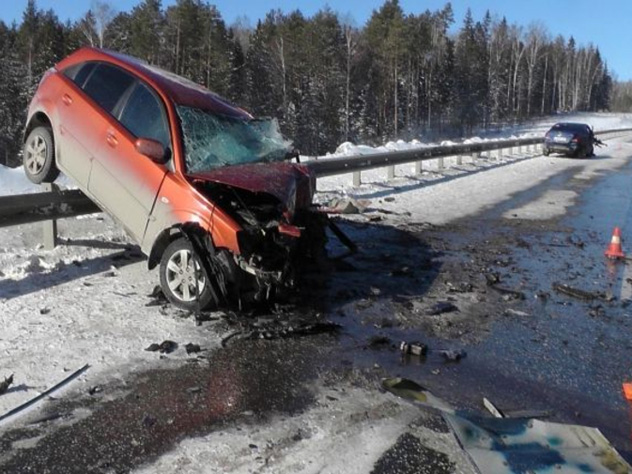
(282, 401)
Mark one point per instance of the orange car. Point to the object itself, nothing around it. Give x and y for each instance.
(204, 188)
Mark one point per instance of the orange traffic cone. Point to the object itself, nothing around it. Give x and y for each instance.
(614, 250)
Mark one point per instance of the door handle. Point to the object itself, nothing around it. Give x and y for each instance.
(66, 99)
(111, 139)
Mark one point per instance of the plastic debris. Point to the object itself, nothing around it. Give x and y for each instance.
(512, 446)
(441, 308)
(165, 347)
(4, 386)
(45, 394)
(452, 355)
(192, 348)
(577, 293)
(413, 348)
(493, 409)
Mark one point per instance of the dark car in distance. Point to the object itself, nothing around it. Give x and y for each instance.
(571, 139)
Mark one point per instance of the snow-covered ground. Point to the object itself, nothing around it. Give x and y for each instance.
(85, 301)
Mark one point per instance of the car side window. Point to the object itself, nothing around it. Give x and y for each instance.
(78, 73)
(144, 116)
(106, 85)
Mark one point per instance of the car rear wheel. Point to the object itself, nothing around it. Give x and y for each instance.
(39, 156)
(183, 280)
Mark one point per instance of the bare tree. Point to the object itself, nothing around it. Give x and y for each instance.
(103, 14)
(536, 38)
(351, 43)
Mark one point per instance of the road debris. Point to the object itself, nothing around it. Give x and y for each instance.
(276, 330)
(158, 298)
(452, 355)
(413, 392)
(165, 347)
(346, 206)
(192, 348)
(378, 342)
(503, 445)
(519, 445)
(577, 293)
(44, 394)
(441, 308)
(493, 409)
(508, 294)
(4, 386)
(413, 348)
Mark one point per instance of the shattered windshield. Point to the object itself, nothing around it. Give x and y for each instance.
(212, 141)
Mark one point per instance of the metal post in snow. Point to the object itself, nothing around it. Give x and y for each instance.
(49, 228)
(459, 160)
(390, 172)
(357, 179)
(418, 167)
(440, 163)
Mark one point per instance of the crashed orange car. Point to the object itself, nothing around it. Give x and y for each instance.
(209, 192)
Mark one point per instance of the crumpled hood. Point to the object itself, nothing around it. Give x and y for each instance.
(278, 179)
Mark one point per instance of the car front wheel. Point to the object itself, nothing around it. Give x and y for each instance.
(39, 156)
(183, 280)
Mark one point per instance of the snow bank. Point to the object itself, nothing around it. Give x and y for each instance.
(14, 181)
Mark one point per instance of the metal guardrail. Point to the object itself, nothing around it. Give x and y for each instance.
(334, 166)
(55, 204)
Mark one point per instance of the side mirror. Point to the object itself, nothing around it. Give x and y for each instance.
(153, 150)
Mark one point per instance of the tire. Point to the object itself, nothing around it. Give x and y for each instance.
(39, 156)
(545, 152)
(177, 277)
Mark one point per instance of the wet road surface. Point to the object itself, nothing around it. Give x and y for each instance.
(528, 346)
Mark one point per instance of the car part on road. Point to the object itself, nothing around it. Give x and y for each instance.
(493, 409)
(577, 293)
(165, 347)
(508, 294)
(39, 156)
(4, 385)
(442, 307)
(519, 445)
(191, 348)
(413, 348)
(512, 446)
(45, 393)
(452, 355)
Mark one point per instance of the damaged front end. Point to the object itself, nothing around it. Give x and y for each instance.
(277, 237)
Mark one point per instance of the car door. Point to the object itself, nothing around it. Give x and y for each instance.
(122, 179)
(76, 112)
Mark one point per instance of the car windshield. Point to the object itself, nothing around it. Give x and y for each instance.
(212, 141)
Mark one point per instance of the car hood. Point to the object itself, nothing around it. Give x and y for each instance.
(281, 180)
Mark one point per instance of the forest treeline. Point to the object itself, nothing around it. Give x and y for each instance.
(326, 79)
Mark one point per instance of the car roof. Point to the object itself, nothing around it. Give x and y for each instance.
(180, 90)
(572, 125)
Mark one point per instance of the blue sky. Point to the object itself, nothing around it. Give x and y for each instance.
(606, 24)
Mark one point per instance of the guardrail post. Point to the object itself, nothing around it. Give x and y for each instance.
(440, 163)
(357, 180)
(418, 167)
(459, 160)
(390, 172)
(49, 228)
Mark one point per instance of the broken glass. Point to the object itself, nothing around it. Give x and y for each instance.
(212, 141)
